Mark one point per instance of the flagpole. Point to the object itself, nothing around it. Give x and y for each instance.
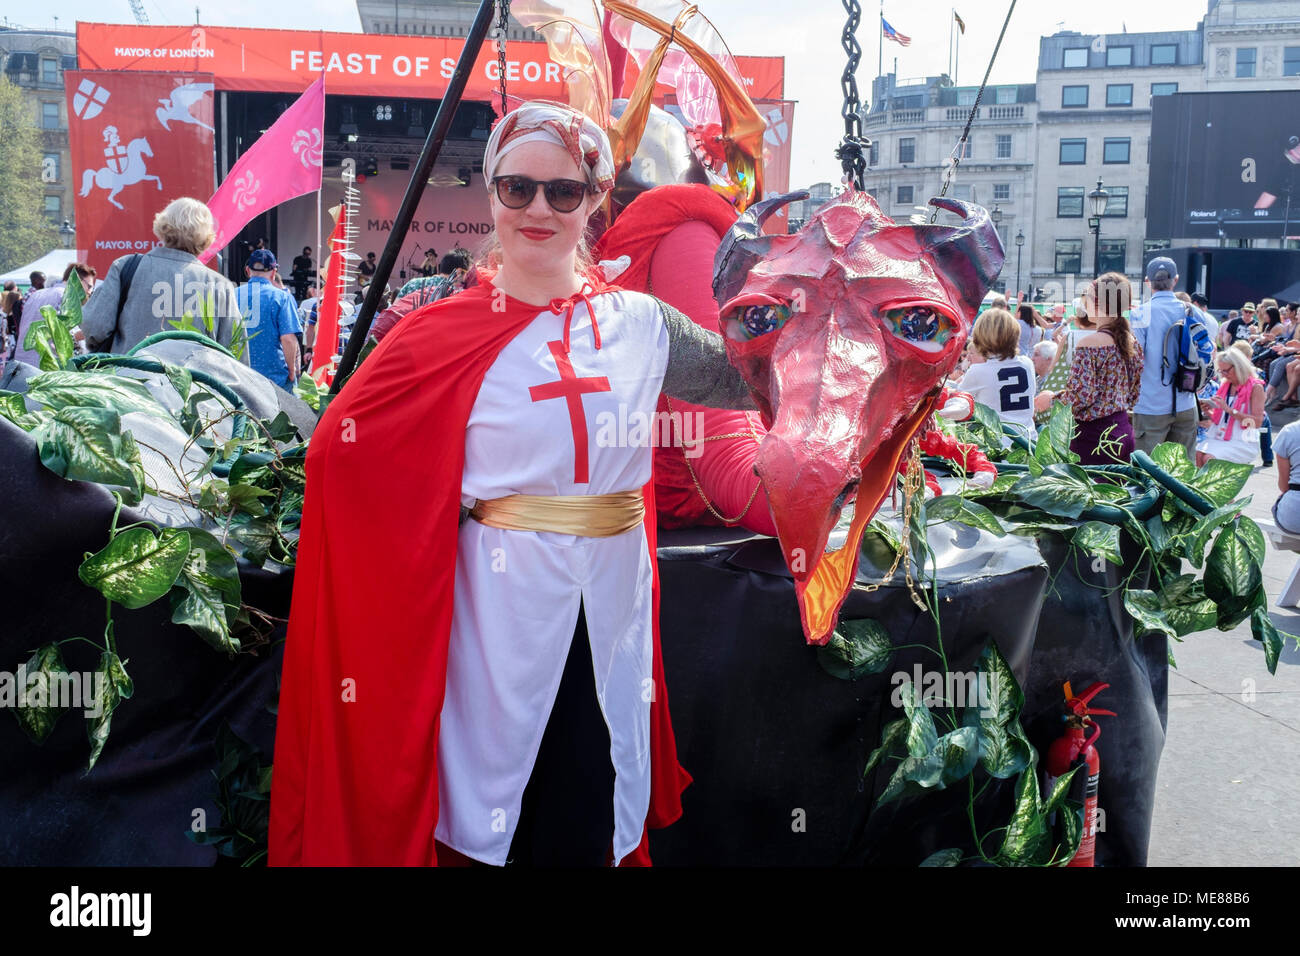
(415, 189)
(956, 63)
(319, 240)
(880, 56)
(951, 20)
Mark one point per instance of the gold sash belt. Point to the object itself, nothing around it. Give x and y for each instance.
(591, 516)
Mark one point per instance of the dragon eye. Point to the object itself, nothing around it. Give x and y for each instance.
(921, 325)
(752, 321)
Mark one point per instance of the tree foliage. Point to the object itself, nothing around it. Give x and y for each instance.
(25, 233)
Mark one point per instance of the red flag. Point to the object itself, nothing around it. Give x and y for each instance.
(284, 162)
(327, 322)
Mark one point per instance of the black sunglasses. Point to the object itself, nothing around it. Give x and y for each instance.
(516, 192)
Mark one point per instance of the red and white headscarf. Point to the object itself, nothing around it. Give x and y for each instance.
(547, 122)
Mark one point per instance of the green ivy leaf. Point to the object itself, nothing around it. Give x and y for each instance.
(1027, 835)
(952, 758)
(37, 715)
(1004, 750)
(1220, 481)
(255, 536)
(1232, 575)
(1172, 457)
(1072, 824)
(957, 508)
(136, 568)
(84, 444)
(987, 420)
(1194, 544)
(113, 686)
(180, 378)
(1185, 605)
(131, 455)
(1099, 539)
(1063, 490)
(1252, 537)
(1263, 630)
(51, 340)
(207, 592)
(1145, 609)
(282, 429)
(60, 389)
(943, 858)
(309, 392)
(12, 405)
(1001, 485)
(892, 738)
(856, 648)
(921, 735)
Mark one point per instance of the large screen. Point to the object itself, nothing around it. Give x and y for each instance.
(1225, 165)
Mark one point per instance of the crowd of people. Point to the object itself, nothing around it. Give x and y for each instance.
(151, 292)
(1116, 362)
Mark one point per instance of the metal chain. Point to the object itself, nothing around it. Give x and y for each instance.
(913, 484)
(700, 488)
(954, 159)
(851, 151)
(503, 24)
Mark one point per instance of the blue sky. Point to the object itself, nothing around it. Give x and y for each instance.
(810, 44)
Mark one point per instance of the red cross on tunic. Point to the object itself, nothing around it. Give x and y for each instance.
(571, 389)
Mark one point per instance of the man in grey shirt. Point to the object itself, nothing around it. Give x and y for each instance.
(169, 281)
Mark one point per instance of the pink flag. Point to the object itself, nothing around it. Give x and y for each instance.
(284, 162)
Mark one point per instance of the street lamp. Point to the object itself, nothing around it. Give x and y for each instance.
(996, 216)
(1020, 245)
(1097, 206)
(67, 234)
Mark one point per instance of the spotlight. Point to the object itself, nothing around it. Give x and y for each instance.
(371, 168)
(464, 174)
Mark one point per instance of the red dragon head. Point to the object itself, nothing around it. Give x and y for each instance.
(845, 332)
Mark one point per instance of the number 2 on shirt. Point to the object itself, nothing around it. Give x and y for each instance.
(1014, 393)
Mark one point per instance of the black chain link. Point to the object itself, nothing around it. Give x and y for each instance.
(852, 149)
(503, 23)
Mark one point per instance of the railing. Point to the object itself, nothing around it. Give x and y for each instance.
(872, 120)
(909, 116)
(1006, 112)
(958, 114)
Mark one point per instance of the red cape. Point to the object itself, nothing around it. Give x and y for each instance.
(365, 661)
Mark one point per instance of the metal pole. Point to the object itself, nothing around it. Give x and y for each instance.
(1019, 250)
(414, 190)
(1096, 249)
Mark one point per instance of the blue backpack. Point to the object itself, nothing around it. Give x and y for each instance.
(1195, 353)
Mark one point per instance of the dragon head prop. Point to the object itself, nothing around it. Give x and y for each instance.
(845, 332)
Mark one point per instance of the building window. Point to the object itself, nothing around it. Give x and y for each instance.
(1163, 89)
(49, 70)
(1164, 54)
(907, 149)
(1115, 150)
(1074, 152)
(1119, 94)
(904, 196)
(1074, 97)
(1075, 59)
(873, 156)
(1291, 61)
(54, 208)
(1119, 56)
(50, 162)
(1069, 256)
(1005, 95)
(1069, 202)
(966, 97)
(1111, 254)
(1001, 192)
(963, 191)
(1004, 145)
(49, 116)
(1245, 62)
(1116, 202)
(965, 151)
(1154, 245)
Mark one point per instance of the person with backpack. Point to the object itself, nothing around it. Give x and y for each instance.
(1177, 342)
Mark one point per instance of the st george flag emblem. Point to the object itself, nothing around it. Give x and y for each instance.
(89, 99)
(892, 34)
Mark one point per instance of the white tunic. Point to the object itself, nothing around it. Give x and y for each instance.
(518, 592)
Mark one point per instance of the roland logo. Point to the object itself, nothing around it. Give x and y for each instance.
(1202, 214)
(76, 908)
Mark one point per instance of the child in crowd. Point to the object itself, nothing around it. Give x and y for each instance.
(999, 376)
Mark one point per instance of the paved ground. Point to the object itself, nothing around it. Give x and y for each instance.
(1228, 791)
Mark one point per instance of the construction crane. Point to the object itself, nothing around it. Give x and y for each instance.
(137, 7)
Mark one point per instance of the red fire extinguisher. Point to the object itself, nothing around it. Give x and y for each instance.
(1072, 749)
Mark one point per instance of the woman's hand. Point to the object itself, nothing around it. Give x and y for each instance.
(1219, 403)
(1043, 401)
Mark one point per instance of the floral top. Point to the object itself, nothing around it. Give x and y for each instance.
(1100, 384)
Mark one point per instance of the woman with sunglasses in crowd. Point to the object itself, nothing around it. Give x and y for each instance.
(1105, 376)
(493, 620)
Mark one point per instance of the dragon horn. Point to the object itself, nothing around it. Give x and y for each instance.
(969, 256)
(744, 245)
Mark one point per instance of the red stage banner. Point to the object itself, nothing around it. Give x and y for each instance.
(363, 64)
(138, 141)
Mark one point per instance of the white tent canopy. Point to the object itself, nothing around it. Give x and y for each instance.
(52, 264)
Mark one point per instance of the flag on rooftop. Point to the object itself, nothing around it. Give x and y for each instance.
(961, 24)
(892, 34)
